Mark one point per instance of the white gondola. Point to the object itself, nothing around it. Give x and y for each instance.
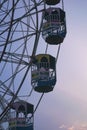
(54, 26)
(22, 116)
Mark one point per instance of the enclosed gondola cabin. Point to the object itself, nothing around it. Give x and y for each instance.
(52, 2)
(43, 73)
(54, 26)
(21, 116)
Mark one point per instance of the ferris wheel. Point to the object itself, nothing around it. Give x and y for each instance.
(23, 70)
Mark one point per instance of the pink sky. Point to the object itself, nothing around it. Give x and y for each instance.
(66, 107)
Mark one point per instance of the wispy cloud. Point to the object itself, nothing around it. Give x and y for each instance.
(83, 126)
(62, 126)
(80, 126)
(71, 128)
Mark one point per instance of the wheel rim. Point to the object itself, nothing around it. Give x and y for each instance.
(20, 32)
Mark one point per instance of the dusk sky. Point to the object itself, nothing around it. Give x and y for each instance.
(66, 107)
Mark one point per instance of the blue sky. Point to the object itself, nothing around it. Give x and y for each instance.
(66, 107)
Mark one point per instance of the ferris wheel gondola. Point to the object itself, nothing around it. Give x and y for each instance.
(52, 2)
(43, 73)
(54, 26)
